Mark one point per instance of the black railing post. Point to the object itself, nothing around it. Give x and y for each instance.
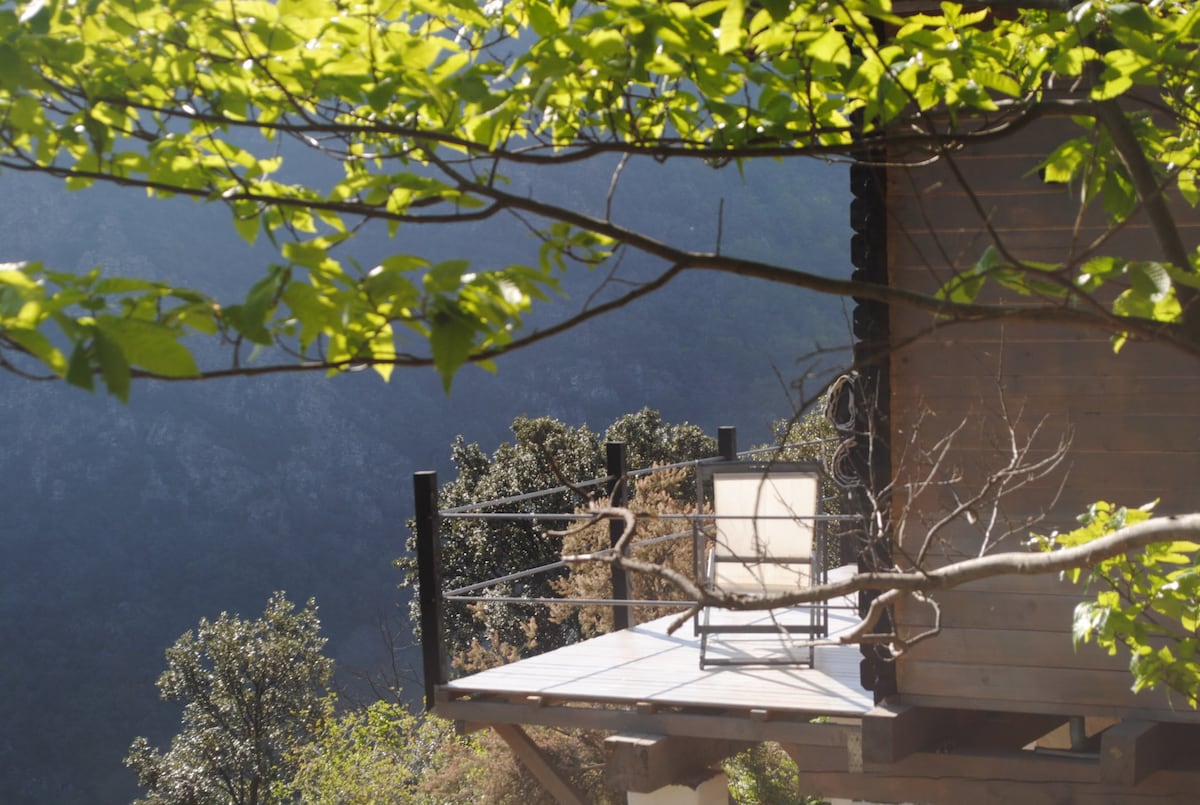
(727, 450)
(727, 442)
(617, 457)
(429, 575)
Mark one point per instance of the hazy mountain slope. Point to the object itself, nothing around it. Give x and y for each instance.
(126, 523)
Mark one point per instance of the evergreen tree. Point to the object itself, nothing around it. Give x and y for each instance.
(545, 452)
(250, 692)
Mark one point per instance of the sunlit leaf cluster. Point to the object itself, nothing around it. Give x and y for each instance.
(1147, 603)
(422, 110)
(380, 753)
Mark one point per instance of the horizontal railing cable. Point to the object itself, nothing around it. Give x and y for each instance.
(476, 599)
(523, 516)
(718, 459)
(520, 574)
(459, 515)
(468, 507)
(559, 564)
(760, 450)
(635, 602)
(820, 518)
(472, 511)
(653, 540)
(677, 465)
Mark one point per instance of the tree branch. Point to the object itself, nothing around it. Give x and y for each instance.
(1150, 192)
(897, 582)
(953, 311)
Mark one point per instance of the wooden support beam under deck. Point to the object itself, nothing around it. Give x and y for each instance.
(1001, 778)
(531, 755)
(1131, 750)
(786, 728)
(642, 763)
(1006, 731)
(892, 732)
(956, 791)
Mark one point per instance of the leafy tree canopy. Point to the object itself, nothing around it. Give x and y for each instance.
(1146, 603)
(384, 755)
(544, 452)
(250, 692)
(380, 754)
(424, 110)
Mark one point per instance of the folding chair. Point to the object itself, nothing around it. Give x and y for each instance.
(766, 539)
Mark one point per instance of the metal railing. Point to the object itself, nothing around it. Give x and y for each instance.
(433, 599)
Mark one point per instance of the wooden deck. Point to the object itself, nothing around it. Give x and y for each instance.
(645, 683)
(646, 669)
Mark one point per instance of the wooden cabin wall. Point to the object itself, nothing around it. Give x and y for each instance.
(1133, 426)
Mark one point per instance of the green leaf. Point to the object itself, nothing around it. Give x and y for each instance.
(1111, 86)
(31, 10)
(1084, 623)
(1066, 160)
(250, 318)
(114, 368)
(998, 82)
(382, 347)
(451, 338)
(40, 347)
(1131, 17)
(830, 48)
(148, 345)
(963, 289)
(1150, 279)
(1151, 294)
(16, 275)
(542, 19)
(778, 9)
(118, 285)
(79, 369)
(447, 276)
(1097, 271)
(37, 15)
(730, 37)
(604, 43)
(247, 221)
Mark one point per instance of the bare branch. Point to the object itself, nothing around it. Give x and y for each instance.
(894, 583)
(949, 310)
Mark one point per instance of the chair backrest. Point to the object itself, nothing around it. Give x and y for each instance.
(765, 525)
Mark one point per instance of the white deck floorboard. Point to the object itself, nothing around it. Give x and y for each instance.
(645, 664)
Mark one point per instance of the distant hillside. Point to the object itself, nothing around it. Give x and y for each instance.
(127, 523)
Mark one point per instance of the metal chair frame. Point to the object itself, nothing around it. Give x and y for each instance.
(711, 551)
